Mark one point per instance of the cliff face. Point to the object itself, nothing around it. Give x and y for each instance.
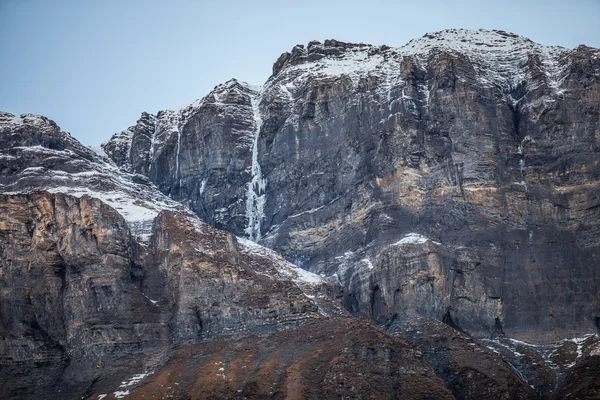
(482, 145)
(101, 275)
(456, 178)
(88, 309)
(82, 301)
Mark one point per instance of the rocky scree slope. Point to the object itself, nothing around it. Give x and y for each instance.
(456, 177)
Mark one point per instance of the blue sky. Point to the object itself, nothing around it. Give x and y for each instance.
(94, 66)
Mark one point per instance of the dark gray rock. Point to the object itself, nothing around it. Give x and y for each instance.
(456, 178)
(482, 141)
(469, 370)
(83, 303)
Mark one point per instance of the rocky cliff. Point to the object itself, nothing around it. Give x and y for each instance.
(456, 177)
(447, 190)
(101, 275)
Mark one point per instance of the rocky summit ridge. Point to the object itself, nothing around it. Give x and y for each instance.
(447, 191)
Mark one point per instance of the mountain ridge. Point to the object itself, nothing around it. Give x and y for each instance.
(426, 189)
(404, 140)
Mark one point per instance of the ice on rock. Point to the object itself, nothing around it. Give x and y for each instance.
(255, 196)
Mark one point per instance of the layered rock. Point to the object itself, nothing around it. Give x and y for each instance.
(455, 178)
(482, 141)
(200, 155)
(35, 155)
(102, 275)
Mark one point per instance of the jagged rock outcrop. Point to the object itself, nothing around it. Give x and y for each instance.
(481, 141)
(102, 275)
(35, 155)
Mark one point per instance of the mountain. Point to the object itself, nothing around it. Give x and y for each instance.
(473, 154)
(445, 194)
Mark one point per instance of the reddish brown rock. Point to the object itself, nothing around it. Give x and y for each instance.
(329, 359)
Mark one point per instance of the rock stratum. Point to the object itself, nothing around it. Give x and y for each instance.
(372, 222)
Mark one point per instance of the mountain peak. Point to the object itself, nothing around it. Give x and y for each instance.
(469, 40)
(491, 44)
(8, 120)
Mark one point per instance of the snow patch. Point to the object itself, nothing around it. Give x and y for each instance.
(98, 150)
(134, 380)
(286, 269)
(368, 263)
(413, 238)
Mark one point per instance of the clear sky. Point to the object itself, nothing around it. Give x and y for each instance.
(94, 65)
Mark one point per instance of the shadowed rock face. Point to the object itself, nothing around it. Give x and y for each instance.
(481, 141)
(87, 308)
(551, 366)
(582, 381)
(469, 370)
(68, 306)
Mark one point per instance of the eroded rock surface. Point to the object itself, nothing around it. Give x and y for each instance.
(482, 141)
(456, 178)
(83, 302)
(469, 369)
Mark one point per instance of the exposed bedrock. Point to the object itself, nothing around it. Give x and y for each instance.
(480, 141)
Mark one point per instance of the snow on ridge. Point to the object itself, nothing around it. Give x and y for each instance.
(12, 121)
(139, 211)
(96, 177)
(169, 122)
(285, 268)
(546, 351)
(500, 58)
(469, 40)
(576, 340)
(413, 238)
